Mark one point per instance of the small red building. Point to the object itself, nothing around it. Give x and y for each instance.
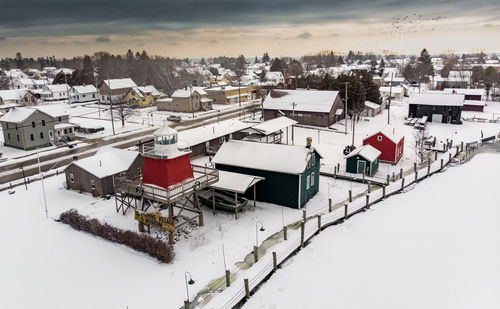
(389, 143)
(165, 165)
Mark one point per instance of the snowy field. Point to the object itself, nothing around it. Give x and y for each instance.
(436, 246)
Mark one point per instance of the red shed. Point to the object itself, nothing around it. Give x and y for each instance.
(389, 143)
(165, 165)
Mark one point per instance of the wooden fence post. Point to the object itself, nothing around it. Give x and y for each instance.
(247, 288)
(428, 167)
(388, 179)
(442, 163)
(416, 176)
(304, 214)
(335, 170)
(228, 278)
(329, 205)
(367, 201)
(319, 223)
(350, 196)
(368, 186)
(400, 173)
(285, 233)
(457, 152)
(338, 167)
(402, 184)
(449, 159)
(346, 211)
(302, 227)
(435, 156)
(414, 166)
(275, 261)
(461, 146)
(383, 191)
(256, 254)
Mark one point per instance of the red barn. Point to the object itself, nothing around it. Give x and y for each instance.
(389, 143)
(165, 165)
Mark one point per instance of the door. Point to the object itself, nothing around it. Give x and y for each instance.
(361, 167)
(51, 135)
(437, 118)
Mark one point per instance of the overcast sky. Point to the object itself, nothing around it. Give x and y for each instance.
(195, 28)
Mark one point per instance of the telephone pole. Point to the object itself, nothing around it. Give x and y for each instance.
(345, 105)
(389, 105)
(111, 106)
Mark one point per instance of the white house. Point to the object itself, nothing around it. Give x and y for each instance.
(274, 78)
(81, 94)
(396, 92)
(55, 92)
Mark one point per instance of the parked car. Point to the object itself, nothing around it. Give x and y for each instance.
(174, 118)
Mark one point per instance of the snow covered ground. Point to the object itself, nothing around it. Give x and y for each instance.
(436, 246)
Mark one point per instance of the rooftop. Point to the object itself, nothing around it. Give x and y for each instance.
(301, 100)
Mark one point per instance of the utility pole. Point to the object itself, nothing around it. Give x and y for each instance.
(345, 105)
(66, 81)
(98, 97)
(111, 106)
(353, 126)
(239, 93)
(389, 105)
(191, 98)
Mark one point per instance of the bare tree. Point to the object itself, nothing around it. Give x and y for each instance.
(421, 152)
(123, 112)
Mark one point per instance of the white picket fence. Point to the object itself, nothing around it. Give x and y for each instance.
(231, 296)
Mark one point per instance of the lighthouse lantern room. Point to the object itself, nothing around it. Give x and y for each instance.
(165, 165)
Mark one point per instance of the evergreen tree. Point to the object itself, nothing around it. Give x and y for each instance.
(239, 67)
(266, 57)
(372, 90)
(424, 63)
(382, 63)
(203, 62)
(19, 61)
(278, 65)
(87, 72)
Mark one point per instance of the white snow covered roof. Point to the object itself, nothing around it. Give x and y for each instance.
(149, 89)
(235, 182)
(13, 94)
(120, 83)
(262, 156)
(304, 100)
(437, 99)
(389, 132)
(273, 125)
(475, 102)
(465, 91)
(368, 152)
(18, 114)
(208, 132)
(186, 92)
(58, 87)
(107, 162)
(395, 89)
(371, 105)
(85, 89)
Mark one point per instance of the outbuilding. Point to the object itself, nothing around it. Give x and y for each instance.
(439, 108)
(95, 174)
(291, 173)
(389, 142)
(364, 160)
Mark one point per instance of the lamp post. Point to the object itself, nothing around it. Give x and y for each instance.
(256, 248)
(188, 283)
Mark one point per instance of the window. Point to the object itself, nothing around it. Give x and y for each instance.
(18, 137)
(41, 135)
(92, 184)
(70, 130)
(308, 181)
(59, 119)
(312, 179)
(43, 123)
(379, 138)
(8, 136)
(309, 164)
(16, 126)
(65, 131)
(72, 178)
(33, 124)
(32, 137)
(93, 96)
(313, 159)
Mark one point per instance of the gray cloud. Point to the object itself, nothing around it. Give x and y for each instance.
(2, 38)
(305, 35)
(76, 17)
(103, 39)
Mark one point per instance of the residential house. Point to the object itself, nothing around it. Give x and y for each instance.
(232, 94)
(309, 107)
(371, 109)
(275, 78)
(396, 92)
(440, 108)
(95, 174)
(58, 92)
(18, 96)
(142, 96)
(291, 173)
(115, 90)
(187, 100)
(83, 94)
(28, 128)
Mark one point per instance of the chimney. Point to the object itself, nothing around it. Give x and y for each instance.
(309, 142)
(100, 163)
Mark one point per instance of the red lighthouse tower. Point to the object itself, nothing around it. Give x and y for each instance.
(165, 165)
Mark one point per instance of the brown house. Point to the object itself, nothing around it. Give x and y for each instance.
(95, 174)
(115, 90)
(186, 100)
(308, 107)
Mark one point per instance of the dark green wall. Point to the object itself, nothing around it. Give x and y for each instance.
(305, 194)
(352, 165)
(277, 188)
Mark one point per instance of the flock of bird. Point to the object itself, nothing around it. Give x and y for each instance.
(409, 25)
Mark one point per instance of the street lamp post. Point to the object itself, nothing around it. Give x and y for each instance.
(188, 283)
(256, 248)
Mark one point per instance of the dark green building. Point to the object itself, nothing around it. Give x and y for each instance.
(364, 160)
(291, 172)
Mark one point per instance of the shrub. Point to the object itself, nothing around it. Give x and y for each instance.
(139, 242)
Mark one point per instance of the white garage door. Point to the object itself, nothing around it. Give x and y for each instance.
(437, 118)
